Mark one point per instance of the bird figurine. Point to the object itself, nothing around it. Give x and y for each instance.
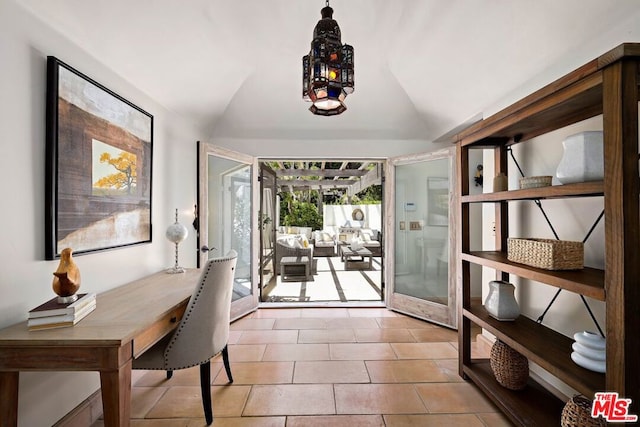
(67, 278)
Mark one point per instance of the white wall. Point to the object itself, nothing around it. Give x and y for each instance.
(571, 218)
(25, 279)
(336, 216)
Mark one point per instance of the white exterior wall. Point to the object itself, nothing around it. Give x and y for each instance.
(336, 216)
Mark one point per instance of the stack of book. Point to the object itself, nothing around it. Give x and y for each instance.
(53, 314)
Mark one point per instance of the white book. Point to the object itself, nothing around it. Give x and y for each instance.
(61, 320)
(54, 308)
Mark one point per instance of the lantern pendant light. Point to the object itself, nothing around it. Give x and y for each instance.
(327, 71)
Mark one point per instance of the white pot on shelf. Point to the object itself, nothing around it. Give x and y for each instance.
(583, 158)
(589, 351)
(501, 302)
(591, 340)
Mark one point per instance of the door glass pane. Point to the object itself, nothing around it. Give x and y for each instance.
(422, 230)
(229, 217)
(267, 221)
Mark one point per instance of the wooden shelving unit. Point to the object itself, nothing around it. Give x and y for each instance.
(608, 85)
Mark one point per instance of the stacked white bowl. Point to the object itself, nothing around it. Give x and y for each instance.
(589, 351)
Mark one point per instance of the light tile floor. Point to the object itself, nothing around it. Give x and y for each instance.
(315, 367)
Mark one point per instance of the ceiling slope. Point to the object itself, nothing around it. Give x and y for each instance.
(423, 67)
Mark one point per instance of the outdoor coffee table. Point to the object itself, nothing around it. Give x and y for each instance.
(294, 268)
(352, 258)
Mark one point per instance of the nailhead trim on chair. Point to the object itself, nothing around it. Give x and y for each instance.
(188, 314)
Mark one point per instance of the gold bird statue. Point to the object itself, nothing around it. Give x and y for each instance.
(67, 278)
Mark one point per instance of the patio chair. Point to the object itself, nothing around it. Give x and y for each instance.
(285, 250)
(370, 241)
(324, 244)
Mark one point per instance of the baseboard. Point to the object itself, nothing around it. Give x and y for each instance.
(85, 414)
(484, 343)
(90, 410)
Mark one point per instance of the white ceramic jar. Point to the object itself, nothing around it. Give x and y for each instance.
(501, 302)
(583, 158)
(589, 351)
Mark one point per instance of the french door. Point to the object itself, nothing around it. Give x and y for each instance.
(227, 196)
(421, 230)
(267, 220)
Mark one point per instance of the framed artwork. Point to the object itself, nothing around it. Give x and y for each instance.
(98, 166)
(438, 201)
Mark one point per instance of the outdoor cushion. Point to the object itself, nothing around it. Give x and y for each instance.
(322, 236)
(296, 241)
(365, 236)
(302, 241)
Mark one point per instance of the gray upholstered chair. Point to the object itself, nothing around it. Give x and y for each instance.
(203, 331)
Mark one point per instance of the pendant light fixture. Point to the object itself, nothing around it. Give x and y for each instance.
(327, 71)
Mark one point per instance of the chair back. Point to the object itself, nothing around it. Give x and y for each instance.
(204, 329)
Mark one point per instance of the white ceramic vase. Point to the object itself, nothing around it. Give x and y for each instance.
(589, 351)
(583, 158)
(356, 243)
(501, 302)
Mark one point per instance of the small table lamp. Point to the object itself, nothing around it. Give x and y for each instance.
(176, 233)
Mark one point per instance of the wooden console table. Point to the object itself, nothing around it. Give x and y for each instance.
(127, 321)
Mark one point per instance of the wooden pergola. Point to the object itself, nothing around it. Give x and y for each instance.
(325, 176)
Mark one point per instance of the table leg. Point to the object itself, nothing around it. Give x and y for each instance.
(9, 399)
(116, 396)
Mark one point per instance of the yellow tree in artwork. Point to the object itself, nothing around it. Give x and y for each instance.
(125, 177)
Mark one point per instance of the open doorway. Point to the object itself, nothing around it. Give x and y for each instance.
(321, 231)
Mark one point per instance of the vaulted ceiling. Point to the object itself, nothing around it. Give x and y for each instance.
(423, 67)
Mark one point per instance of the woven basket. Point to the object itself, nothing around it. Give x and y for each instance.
(546, 253)
(510, 368)
(535, 181)
(577, 413)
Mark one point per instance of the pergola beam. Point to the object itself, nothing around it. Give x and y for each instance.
(316, 183)
(326, 173)
(373, 177)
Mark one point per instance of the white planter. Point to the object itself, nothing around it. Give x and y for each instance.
(589, 352)
(591, 340)
(501, 302)
(583, 158)
(590, 364)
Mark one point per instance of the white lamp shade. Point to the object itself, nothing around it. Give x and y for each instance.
(177, 232)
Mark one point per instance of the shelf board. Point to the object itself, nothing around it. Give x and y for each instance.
(587, 281)
(546, 347)
(532, 406)
(559, 104)
(580, 189)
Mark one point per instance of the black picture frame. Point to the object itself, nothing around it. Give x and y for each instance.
(98, 166)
